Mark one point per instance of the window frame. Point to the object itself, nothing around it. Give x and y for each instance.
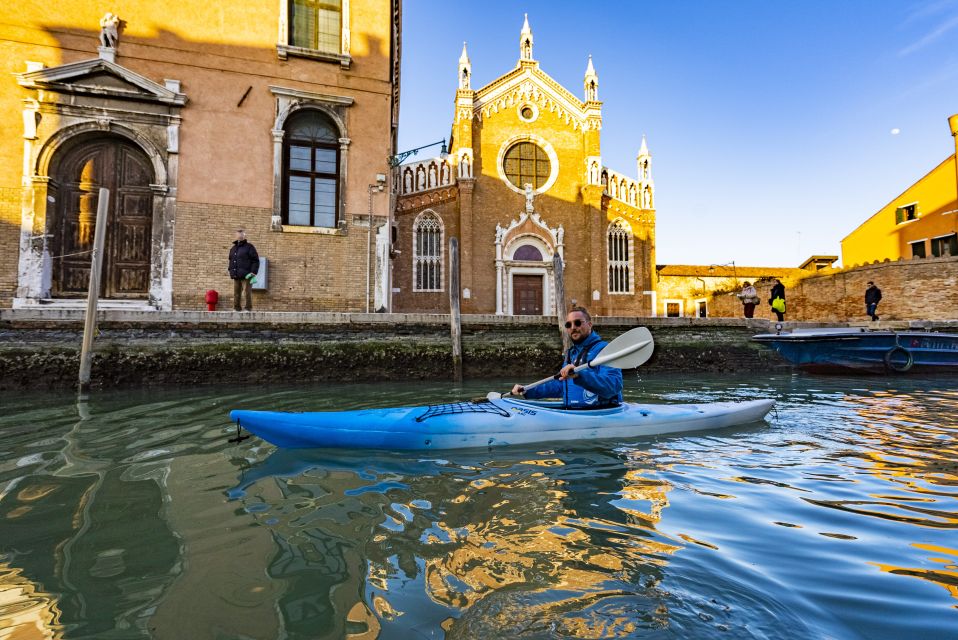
(418, 260)
(900, 217)
(937, 242)
(665, 307)
(284, 49)
(287, 172)
(924, 250)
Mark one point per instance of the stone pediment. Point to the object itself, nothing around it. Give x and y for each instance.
(98, 77)
(529, 83)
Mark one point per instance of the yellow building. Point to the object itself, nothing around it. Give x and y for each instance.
(196, 115)
(524, 183)
(921, 222)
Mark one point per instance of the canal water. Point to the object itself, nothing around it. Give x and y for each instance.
(130, 515)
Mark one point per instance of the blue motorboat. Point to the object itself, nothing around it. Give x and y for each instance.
(858, 349)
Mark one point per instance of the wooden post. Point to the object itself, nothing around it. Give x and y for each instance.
(455, 327)
(560, 299)
(93, 295)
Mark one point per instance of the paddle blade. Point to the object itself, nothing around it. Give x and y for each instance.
(632, 349)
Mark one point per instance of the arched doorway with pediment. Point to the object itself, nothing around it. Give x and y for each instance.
(77, 173)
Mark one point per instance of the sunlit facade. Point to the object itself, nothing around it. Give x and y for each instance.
(524, 182)
(921, 222)
(200, 118)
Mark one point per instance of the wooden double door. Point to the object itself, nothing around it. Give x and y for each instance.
(126, 171)
(526, 295)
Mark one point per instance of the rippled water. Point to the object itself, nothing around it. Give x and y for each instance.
(131, 516)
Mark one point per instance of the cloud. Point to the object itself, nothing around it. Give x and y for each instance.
(941, 29)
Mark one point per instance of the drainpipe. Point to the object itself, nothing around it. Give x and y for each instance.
(953, 124)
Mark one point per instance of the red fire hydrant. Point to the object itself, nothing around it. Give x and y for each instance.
(212, 297)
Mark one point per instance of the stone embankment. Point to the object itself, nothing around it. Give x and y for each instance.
(40, 348)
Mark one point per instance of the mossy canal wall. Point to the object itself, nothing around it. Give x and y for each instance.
(40, 348)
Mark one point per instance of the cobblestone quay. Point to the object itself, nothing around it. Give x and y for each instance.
(40, 348)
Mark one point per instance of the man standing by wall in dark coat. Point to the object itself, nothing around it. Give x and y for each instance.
(872, 298)
(244, 265)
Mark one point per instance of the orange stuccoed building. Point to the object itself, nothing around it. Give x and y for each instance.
(200, 117)
(523, 182)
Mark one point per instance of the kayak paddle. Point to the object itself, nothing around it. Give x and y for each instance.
(628, 351)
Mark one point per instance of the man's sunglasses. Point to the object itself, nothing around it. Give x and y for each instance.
(576, 322)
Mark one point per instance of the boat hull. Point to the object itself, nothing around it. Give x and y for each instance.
(497, 423)
(837, 351)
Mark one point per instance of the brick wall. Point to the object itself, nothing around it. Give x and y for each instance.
(919, 289)
(307, 272)
(9, 242)
(199, 348)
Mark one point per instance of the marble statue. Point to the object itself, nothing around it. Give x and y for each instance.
(109, 30)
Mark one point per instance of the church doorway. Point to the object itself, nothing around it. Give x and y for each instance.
(526, 295)
(126, 171)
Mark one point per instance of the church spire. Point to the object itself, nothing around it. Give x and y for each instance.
(525, 40)
(591, 83)
(465, 69)
(646, 185)
(644, 149)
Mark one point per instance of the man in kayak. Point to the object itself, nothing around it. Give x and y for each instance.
(590, 388)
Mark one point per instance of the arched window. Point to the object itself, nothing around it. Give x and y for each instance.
(310, 170)
(427, 244)
(620, 257)
(528, 252)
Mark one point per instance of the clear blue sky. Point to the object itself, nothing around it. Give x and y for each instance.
(769, 122)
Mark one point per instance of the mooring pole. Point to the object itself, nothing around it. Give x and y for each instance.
(455, 327)
(93, 295)
(560, 299)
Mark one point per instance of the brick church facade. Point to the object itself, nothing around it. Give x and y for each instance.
(522, 182)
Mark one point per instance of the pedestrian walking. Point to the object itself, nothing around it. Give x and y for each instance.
(243, 267)
(749, 297)
(777, 299)
(872, 298)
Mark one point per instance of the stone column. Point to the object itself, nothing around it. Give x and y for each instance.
(276, 223)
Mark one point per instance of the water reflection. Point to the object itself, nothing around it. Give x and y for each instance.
(131, 516)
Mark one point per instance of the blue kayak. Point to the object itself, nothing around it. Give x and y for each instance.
(492, 423)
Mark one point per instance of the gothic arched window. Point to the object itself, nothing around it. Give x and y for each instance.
(310, 170)
(527, 163)
(620, 257)
(427, 244)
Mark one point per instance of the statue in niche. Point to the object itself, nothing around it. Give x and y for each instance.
(109, 30)
(420, 178)
(560, 235)
(444, 178)
(407, 181)
(594, 173)
(465, 170)
(530, 194)
(432, 176)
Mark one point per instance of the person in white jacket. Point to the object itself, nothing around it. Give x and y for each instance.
(749, 298)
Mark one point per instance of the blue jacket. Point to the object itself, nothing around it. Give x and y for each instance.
(592, 387)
